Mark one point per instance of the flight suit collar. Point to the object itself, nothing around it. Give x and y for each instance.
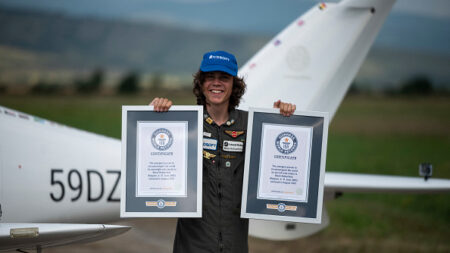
(232, 117)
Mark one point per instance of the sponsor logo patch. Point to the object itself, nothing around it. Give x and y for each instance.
(228, 156)
(209, 144)
(219, 57)
(206, 134)
(233, 146)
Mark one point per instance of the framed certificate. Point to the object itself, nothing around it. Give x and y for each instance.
(161, 162)
(285, 166)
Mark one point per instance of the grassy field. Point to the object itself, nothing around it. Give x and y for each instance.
(367, 135)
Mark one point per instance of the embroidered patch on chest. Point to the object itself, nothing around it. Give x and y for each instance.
(234, 134)
(209, 120)
(228, 156)
(233, 146)
(209, 144)
(208, 155)
(206, 134)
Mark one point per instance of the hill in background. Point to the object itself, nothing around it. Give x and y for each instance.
(38, 45)
(34, 41)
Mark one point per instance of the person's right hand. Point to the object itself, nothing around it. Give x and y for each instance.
(161, 104)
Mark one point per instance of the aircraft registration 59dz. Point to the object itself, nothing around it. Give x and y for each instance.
(53, 176)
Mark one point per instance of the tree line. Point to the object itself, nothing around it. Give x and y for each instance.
(130, 83)
(417, 85)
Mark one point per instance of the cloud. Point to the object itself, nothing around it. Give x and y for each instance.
(439, 9)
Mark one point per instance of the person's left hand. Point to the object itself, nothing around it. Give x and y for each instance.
(286, 109)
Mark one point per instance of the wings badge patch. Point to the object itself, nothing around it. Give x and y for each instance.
(234, 134)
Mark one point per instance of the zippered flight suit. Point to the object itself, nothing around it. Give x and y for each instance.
(220, 229)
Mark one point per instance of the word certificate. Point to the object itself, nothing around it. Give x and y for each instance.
(161, 159)
(285, 162)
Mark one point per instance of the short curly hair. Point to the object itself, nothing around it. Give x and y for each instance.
(238, 91)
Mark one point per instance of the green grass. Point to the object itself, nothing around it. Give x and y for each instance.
(368, 135)
(386, 154)
(101, 115)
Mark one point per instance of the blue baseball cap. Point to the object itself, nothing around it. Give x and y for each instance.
(219, 61)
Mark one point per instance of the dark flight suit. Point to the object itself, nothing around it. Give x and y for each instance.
(220, 229)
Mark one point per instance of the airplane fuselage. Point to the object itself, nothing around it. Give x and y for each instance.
(54, 173)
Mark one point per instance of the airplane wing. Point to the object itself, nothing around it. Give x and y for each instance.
(338, 182)
(352, 182)
(15, 236)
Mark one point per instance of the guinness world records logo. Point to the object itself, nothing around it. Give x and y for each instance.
(161, 204)
(286, 143)
(162, 139)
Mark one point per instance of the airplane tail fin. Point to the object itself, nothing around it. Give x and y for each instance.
(312, 63)
(313, 60)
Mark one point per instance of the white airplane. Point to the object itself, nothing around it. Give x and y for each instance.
(53, 176)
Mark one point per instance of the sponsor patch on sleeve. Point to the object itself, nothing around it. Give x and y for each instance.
(233, 146)
(209, 144)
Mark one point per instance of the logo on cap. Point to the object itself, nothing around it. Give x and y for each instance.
(219, 57)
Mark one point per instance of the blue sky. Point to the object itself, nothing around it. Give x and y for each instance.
(412, 24)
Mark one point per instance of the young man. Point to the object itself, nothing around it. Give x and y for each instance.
(219, 89)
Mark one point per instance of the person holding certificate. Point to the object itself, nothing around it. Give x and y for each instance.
(219, 89)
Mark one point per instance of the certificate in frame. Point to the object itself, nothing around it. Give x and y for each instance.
(161, 162)
(285, 166)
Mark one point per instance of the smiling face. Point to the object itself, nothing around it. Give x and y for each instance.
(217, 88)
